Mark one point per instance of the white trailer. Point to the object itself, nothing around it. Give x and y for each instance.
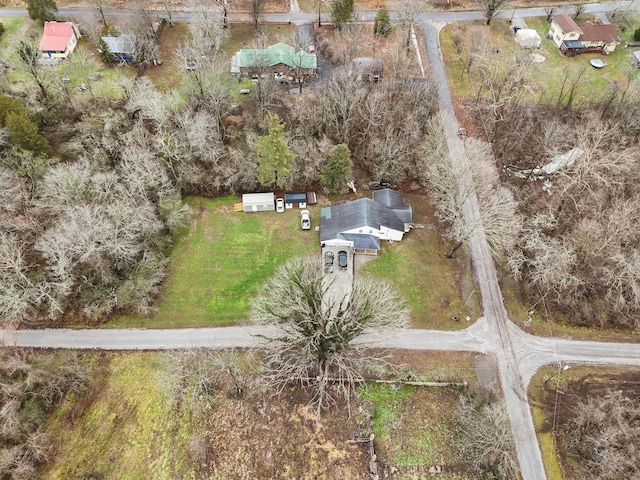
(258, 202)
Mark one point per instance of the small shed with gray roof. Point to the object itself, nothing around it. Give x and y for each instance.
(123, 48)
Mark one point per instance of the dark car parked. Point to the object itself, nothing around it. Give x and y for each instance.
(342, 259)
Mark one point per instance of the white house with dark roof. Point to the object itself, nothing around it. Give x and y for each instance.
(362, 223)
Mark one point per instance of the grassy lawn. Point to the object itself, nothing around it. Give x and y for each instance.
(9, 38)
(545, 437)
(219, 265)
(81, 68)
(221, 262)
(127, 430)
(171, 73)
(242, 35)
(436, 288)
(84, 66)
(415, 426)
(594, 83)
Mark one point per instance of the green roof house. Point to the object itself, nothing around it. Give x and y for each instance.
(278, 59)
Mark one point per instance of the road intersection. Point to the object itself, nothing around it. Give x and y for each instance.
(518, 355)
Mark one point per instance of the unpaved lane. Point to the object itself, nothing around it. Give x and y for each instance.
(529, 456)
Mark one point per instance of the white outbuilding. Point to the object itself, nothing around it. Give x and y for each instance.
(258, 202)
(528, 38)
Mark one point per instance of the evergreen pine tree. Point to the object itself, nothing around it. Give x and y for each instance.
(341, 12)
(24, 134)
(42, 10)
(105, 54)
(382, 22)
(336, 172)
(8, 105)
(274, 154)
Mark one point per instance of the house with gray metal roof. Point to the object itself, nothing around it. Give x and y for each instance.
(361, 224)
(123, 48)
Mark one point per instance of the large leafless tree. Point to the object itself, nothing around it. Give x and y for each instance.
(487, 438)
(317, 324)
(455, 182)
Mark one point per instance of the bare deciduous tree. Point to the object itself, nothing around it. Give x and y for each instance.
(256, 9)
(605, 435)
(407, 16)
(572, 80)
(208, 32)
(487, 437)
(578, 9)
(503, 78)
(31, 386)
(550, 11)
(497, 206)
(191, 377)
(99, 6)
(314, 344)
(28, 55)
(340, 102)
(18, 293)
(143, 25)
(491, 8)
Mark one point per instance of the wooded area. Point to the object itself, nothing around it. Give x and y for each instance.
(92, 186)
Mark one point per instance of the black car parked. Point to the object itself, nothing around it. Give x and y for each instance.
(342, 259)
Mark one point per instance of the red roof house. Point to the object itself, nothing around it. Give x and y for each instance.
(573, 39)
(59, 39)
(599, 35)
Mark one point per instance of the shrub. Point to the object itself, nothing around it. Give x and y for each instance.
(10, 105)
(382, 23)
(24, 134)
(636, 35)
(341, 12)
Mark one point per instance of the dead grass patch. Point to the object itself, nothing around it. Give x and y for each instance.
(170, 74)
(129, 430)
(553, 402)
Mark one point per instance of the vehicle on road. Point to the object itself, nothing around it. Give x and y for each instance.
(305, 220)
(342, 259)
(280, 205)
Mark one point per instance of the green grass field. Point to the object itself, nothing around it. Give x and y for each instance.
(221, 262)
(17, 29)
(128, 429)
(549, 75)
(219, 265)
(11, 26)
(414, 427)
(430, 282)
